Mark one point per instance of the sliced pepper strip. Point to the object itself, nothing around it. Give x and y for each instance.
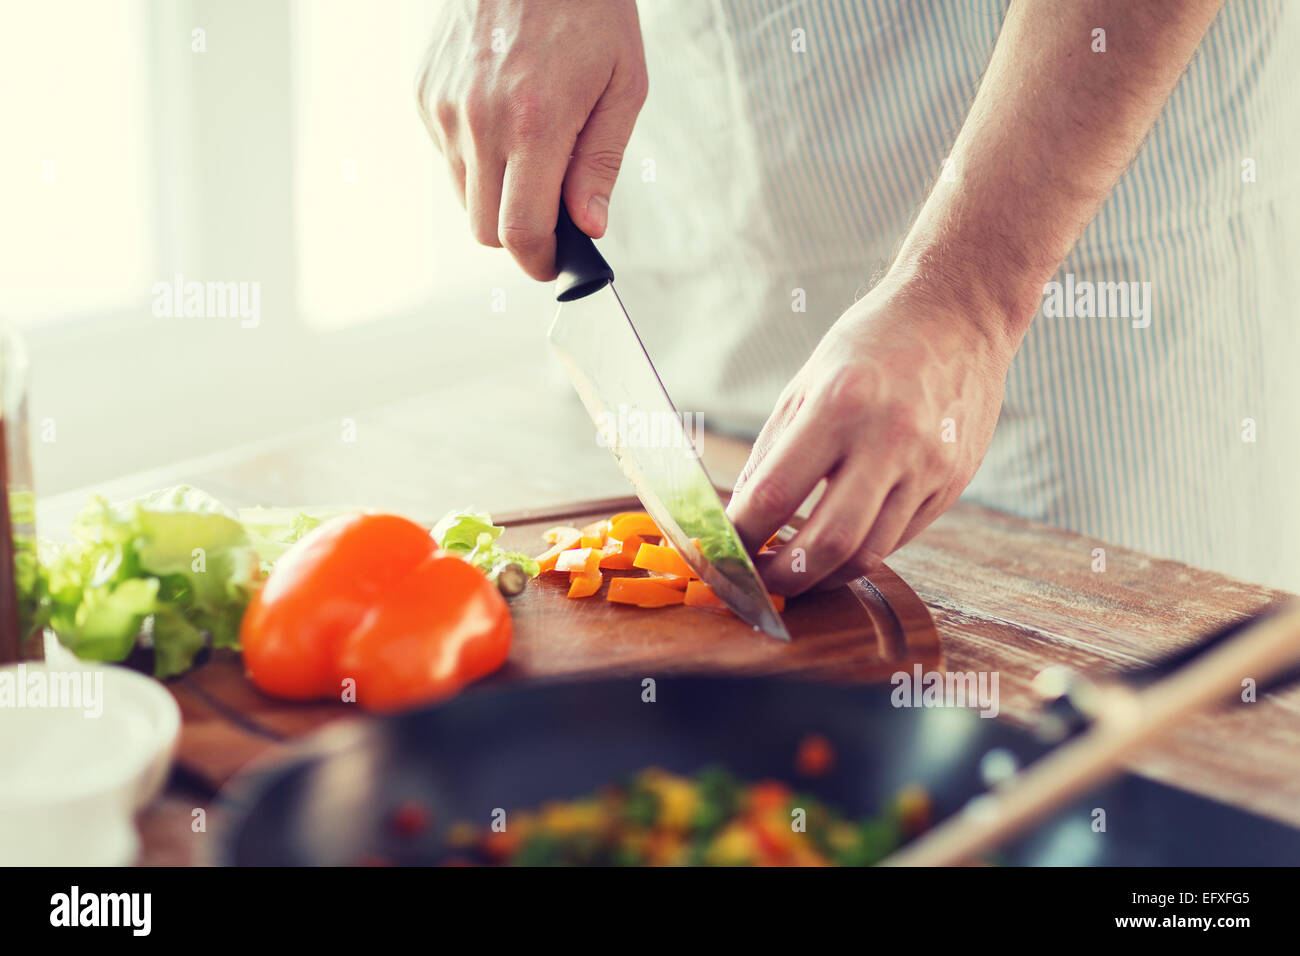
(637, 523)
(579, 559)
(657, 557)
(699, 594)
(680, 582)
(622, 559)
(584, 583)
(565, 538)
(643, 592)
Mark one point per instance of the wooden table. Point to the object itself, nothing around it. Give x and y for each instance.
(1008, 595)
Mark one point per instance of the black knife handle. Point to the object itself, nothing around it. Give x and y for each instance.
(583, 270)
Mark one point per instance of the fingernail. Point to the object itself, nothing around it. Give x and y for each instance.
(598, 212)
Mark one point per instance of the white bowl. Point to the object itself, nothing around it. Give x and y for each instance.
(73, 776)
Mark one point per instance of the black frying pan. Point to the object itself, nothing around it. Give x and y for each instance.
(333, 803)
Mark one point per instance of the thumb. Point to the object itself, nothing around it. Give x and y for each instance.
(597, 156)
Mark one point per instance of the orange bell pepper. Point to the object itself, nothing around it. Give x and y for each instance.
(643, 592)
(622, 559)
(562, 539)
(370, 599)
(699, 594)
(584, 583)
(676, 581)
(579, 559)
(657, 557)
(636, 523)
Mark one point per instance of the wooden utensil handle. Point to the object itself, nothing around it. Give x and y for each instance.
(1129, 720)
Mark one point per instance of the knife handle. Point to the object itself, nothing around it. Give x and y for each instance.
(583, 270)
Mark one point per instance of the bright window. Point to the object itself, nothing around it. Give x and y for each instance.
(77, 202)
(369, 187)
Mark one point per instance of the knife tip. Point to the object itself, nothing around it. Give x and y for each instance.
(774, 628)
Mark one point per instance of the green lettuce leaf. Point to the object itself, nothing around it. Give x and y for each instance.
(472, 536)
(177, 559)
(273, 531)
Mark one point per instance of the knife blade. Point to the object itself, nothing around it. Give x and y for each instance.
(602, 353)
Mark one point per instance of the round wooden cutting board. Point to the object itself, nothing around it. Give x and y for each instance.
(863, 632)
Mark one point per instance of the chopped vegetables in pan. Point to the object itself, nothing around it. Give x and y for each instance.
(710, 818)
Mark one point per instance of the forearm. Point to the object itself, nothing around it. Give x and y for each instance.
(1051, 131)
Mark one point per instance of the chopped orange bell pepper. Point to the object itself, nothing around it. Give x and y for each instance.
(643, 592)
(618, 543)
(637, 523)
(579, 559)
(563, 540)
(621, 560)
(657, 557)
(699, 594)
(584, 583)
(677, 581)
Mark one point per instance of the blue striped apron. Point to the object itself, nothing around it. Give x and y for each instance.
(783, 152)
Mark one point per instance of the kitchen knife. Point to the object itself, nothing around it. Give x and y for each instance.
(603, 355)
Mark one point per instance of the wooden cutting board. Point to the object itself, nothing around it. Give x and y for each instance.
(862, 633)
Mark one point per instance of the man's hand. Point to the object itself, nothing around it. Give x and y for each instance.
(527, 99)
(1058, 117)
(896, 408)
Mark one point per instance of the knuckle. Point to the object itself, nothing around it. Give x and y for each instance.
(638, 88)
(445, 114)
(849, 391)
(485, 233)
(476, 106)
(935, 457)
(521, 239)
(604, 161)
(901, 423)
(525, 113)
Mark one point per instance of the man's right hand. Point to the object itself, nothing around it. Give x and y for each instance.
(528, 102)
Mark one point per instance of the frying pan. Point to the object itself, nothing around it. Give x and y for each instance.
(332, 802)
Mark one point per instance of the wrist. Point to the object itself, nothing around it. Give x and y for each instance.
(971, 273)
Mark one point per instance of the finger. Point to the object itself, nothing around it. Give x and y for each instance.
(834, 531)
(483, 200)
(931, 509)
(898, 514)
(598, 152)
(799, 459)
(442, 125)
(775, 425)
(530, 207)
(456, 167)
